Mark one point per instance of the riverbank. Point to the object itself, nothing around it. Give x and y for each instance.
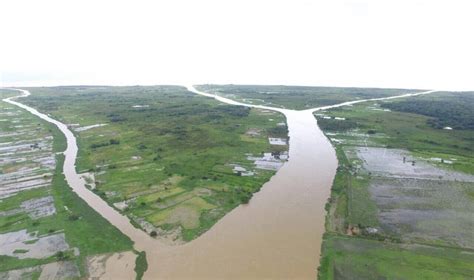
(264, 237)
(401, 197)
(45, 228)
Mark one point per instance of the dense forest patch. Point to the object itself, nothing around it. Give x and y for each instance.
(454, 109)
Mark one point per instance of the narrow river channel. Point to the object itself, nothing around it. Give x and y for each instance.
(277, 235)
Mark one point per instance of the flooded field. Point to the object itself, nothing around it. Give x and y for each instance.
(24, 245)
(418, 201)
(174, 175)
(54, 270)
(42, 226)
(396, 163)
(275, 243)
(394, 207)
(26, 157)
(269, 219)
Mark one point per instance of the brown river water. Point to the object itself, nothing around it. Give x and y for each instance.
(277, 235)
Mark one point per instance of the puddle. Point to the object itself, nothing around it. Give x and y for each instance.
(391, 163)
(59, 270)
(277, 141)
(24, 273)
(45, 246)
(39, 207)
(241, 171)
(269, 161)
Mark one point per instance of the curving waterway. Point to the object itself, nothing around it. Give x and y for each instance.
(277, 235)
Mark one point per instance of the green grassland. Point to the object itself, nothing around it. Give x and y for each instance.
(357, 258)
(452, 109)
(349, 251)
(83, 227)
(298, 97)
(166, 152)
(410, 131)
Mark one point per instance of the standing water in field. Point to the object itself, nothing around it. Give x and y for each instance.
(277, 235)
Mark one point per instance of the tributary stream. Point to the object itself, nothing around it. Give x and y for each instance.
(277, 235)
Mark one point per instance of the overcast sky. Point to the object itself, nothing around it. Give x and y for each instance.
(377, 43)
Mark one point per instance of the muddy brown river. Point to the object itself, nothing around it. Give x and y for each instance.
(277, 235)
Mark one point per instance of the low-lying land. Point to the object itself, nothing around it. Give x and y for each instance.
(171, 160)
(402, 200)
(46, 230)
(298, 97)
(447, 109)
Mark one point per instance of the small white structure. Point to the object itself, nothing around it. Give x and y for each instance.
(448, 128)
(284, 156)
(121, 205)
(277, 141)
(242, 171)
(340, 119)
(239, 169)
(371, 230)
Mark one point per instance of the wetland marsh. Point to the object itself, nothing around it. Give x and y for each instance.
(46, 230)
(402, 196)
(359, 216)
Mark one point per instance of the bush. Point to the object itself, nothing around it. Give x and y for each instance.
(114, 142)
(73, 217)
(61, 256)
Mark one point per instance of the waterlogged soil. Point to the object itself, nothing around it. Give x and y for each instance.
(112, 266)
(264, 237)
(271, 233)
(390, 163)
(419, 202)
(33, 210)
(59, 270)
(42, 246)
(55, 270)
(425, 210)
(26, 156)
(24, 273)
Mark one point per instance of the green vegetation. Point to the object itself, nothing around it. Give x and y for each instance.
(11, 263)
(357, 258)
(88, 231)
(298, 97)
(165, 156)
(405, 131)
(5, 93)
(141, 265)
(447, 109)
(429, 235)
